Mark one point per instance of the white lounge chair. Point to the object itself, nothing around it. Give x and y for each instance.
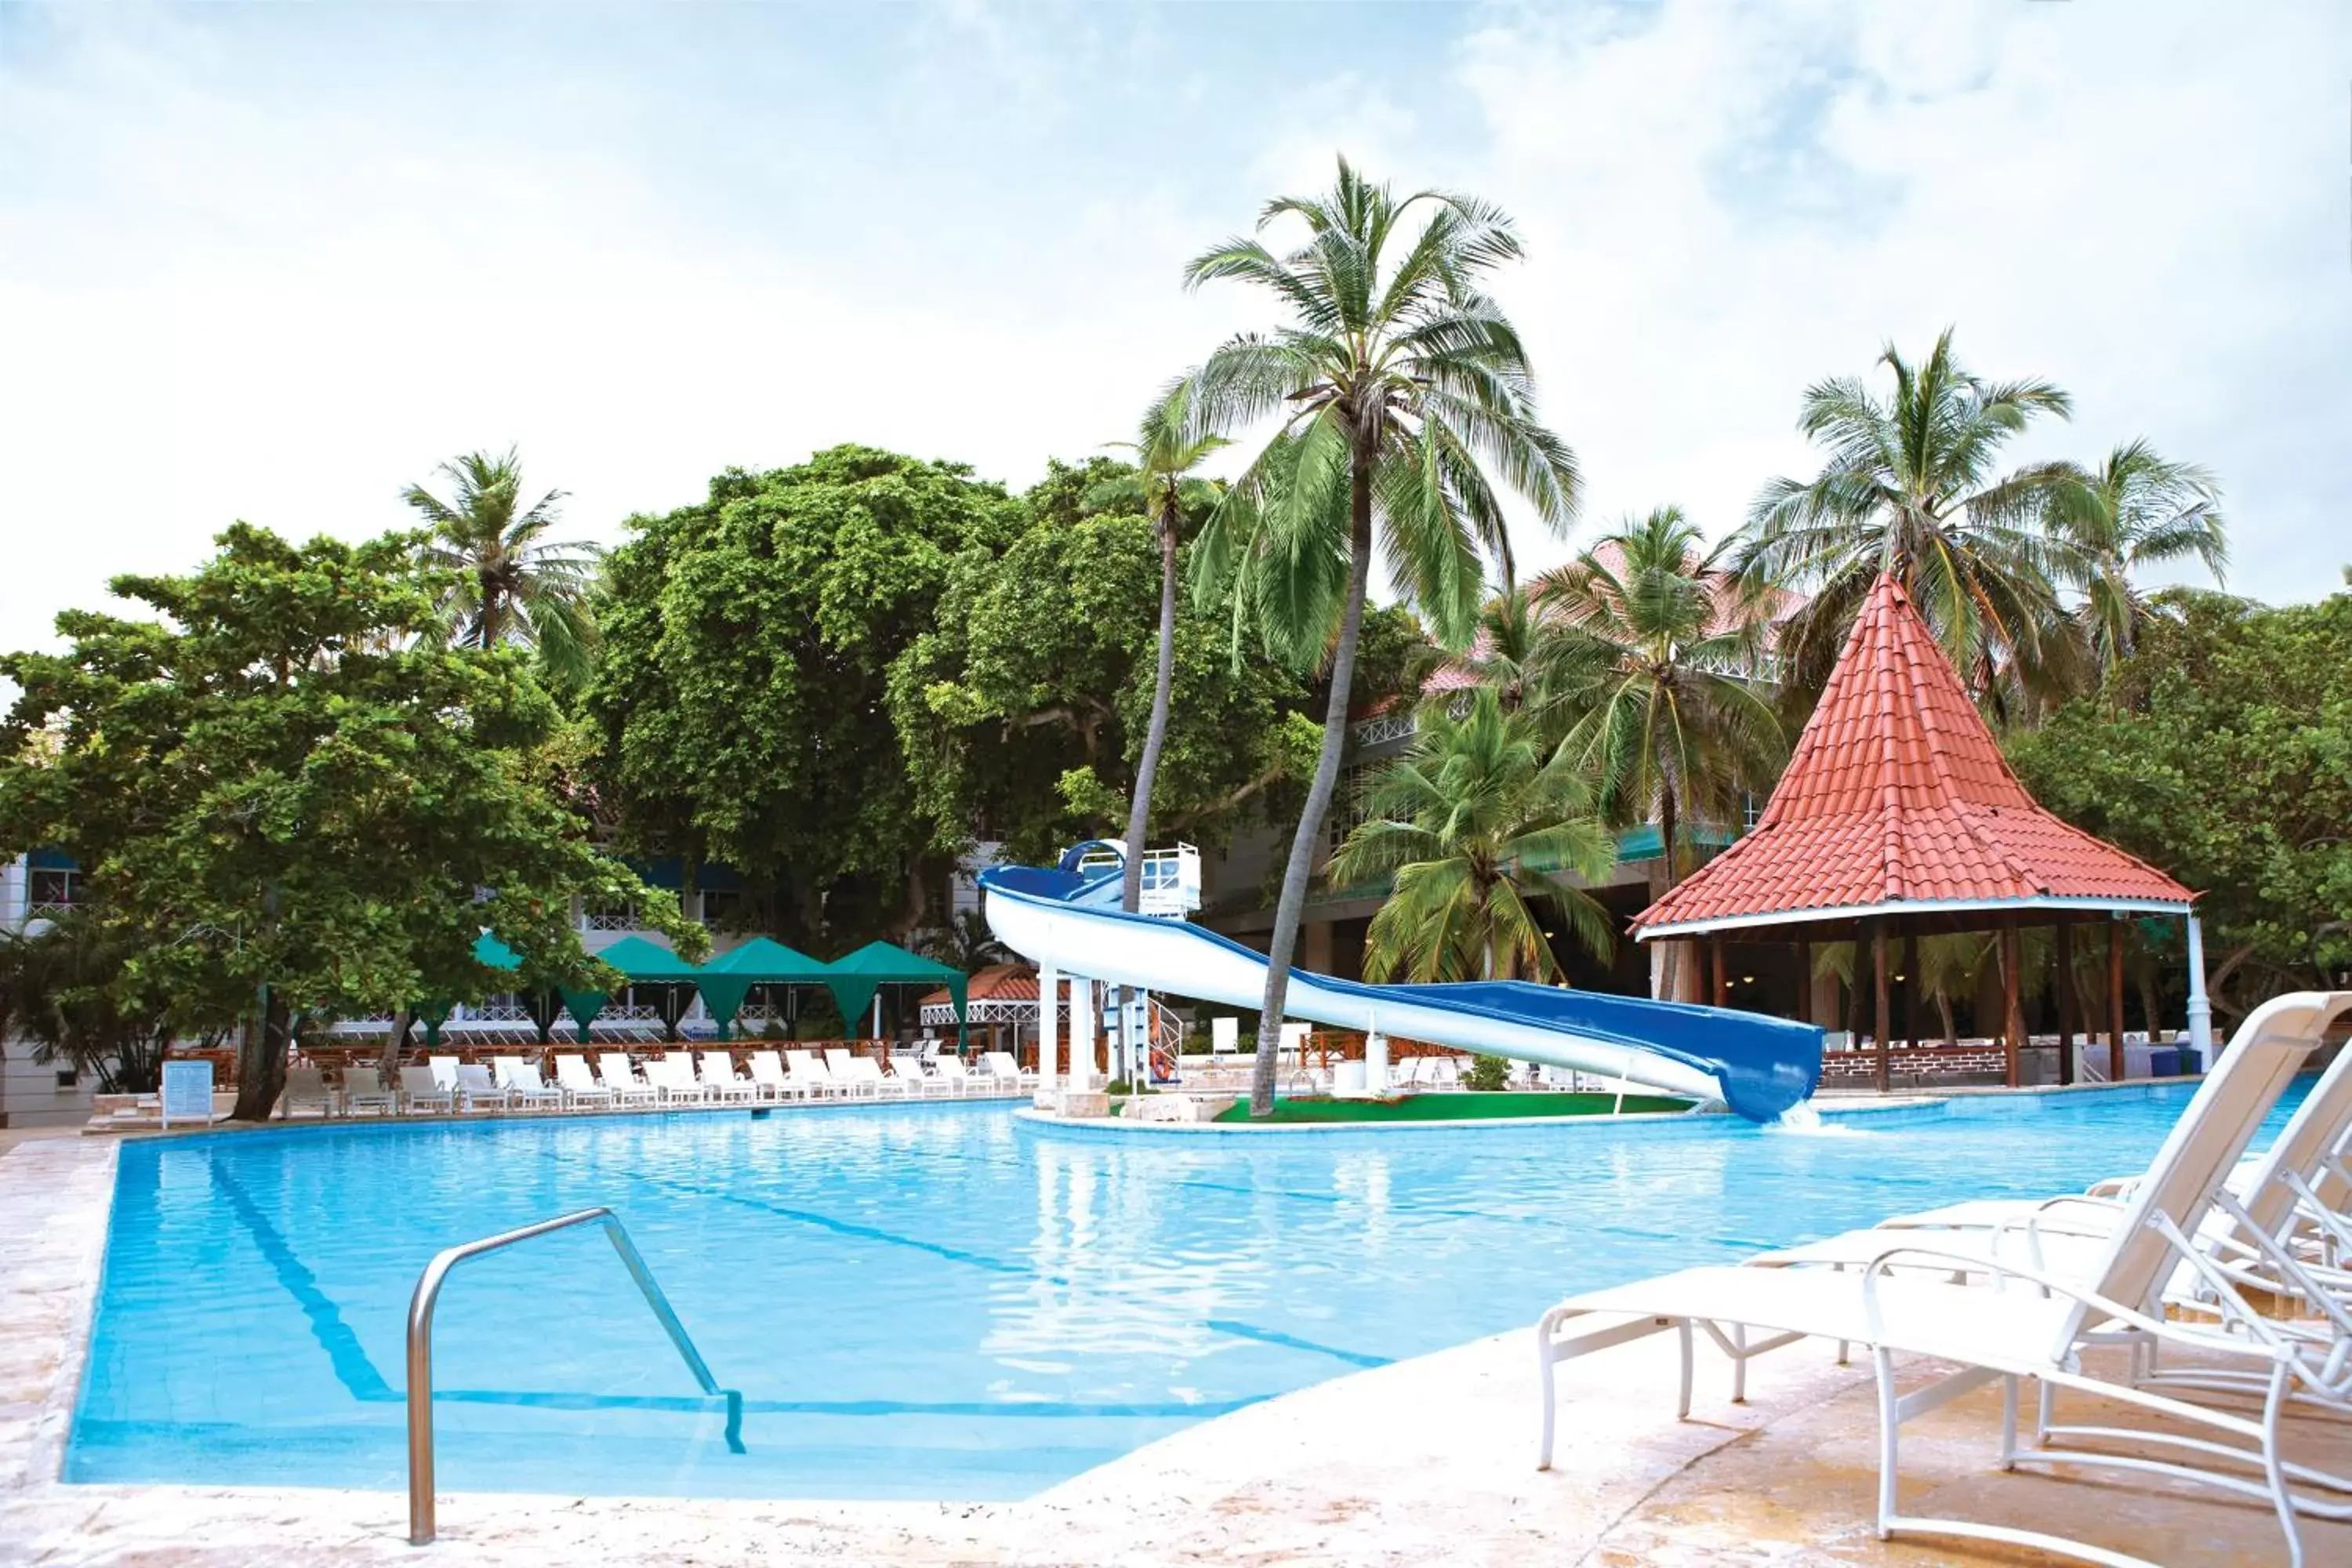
(1006, 1070)
(810, 1071)
(620, 1076)
(864, 1075)
(2038, 1323)
(2269, 1228)
(306, 1093)
(719, 1074)
(420, 1092)
(363, 1091)
(916, 1083)
(523, 1085)
(578, 1081)
(953, 1075)
(477, 1092)
(673, 1073)
(445, 1072)
(769, 1078)
(847, 1078)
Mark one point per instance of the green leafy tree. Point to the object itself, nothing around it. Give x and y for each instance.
(743, 694)
(2221, 751)
(1910, 486)
(508, 583)
(287, 798)
(1395, 383)
(1480, 824)
(2134, 510)
(1022, 710)
(56, 990)
(1648, 661)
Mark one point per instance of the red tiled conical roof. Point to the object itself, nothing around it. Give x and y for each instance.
(1898, 794)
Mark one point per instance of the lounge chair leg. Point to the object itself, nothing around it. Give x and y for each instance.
(1883, 1363)
(2046, 1414)
(1543, 1371)
(1682, 1406)
(2275, 1466)
(2009, 1422)
(1845, 1356)
(1738, 1364)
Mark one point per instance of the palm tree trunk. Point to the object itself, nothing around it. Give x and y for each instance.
(1301, 866)
(1670, 983)
(1147, 771)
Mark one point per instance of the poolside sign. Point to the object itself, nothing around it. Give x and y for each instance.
(188, 1092)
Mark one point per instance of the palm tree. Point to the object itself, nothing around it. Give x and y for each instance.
(511, 585)
(1649, 667)
(1478, 824)
(2135, 510)
(1500, 656)
(1395, 378)
(1909, 486)
(1169, 491)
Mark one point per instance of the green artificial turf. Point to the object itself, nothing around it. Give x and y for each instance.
(1469, 1107)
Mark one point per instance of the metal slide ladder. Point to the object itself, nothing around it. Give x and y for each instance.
(420, 1347)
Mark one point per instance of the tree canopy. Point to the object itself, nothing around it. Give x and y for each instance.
(743, 694)
(1023, 711)
(2221, 750)
(283, 781)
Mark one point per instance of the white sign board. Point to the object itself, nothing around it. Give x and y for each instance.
(1224, 1035)
(188, 1092)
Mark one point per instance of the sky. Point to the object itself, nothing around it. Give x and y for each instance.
(275, 262)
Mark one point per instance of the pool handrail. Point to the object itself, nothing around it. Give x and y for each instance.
(420, 1346)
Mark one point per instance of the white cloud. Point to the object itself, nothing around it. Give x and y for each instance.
(232, 287)
(2146, 205)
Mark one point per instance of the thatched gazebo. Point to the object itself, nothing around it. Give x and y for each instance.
(1898, 818)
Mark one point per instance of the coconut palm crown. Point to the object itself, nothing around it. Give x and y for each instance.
(1394, 385)
(2132, 511)
(1910, 486)
(1650, 666)
(1479, 823)
(510, 585)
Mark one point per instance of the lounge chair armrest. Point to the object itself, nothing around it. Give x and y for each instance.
(2266, 1346)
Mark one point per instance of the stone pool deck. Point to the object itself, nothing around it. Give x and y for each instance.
(1426, 1461)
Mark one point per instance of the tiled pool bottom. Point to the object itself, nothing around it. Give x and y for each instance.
(915, 1301)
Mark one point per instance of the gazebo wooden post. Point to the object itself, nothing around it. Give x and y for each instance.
(1878, 970)
(2065, 1001)
(2115, 1001)
(2013, 1008)
(1804, 981)
(1911, 988)
(1719, 987)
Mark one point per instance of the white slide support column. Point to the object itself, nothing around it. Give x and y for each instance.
(1049, 1030)
(2200, 1009)
(1082, 1035)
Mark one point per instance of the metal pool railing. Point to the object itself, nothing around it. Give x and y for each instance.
(420, 1347)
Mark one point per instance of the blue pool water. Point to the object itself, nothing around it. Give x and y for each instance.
(929, 1302)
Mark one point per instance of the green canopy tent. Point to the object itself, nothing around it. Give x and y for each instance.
(855, 979)
(584, 1005)
(655, 968)
(763, 961)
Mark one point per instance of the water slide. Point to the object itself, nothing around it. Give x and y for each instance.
(1071, 920)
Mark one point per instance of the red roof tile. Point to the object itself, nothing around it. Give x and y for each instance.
(997, 983)
(1898, 794)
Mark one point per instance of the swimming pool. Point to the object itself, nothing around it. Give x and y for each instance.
(919, 1301)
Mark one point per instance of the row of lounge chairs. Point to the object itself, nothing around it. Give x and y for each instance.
(2169, 1270)
(446, 1085)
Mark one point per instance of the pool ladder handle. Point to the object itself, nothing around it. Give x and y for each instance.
(420, 1347)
